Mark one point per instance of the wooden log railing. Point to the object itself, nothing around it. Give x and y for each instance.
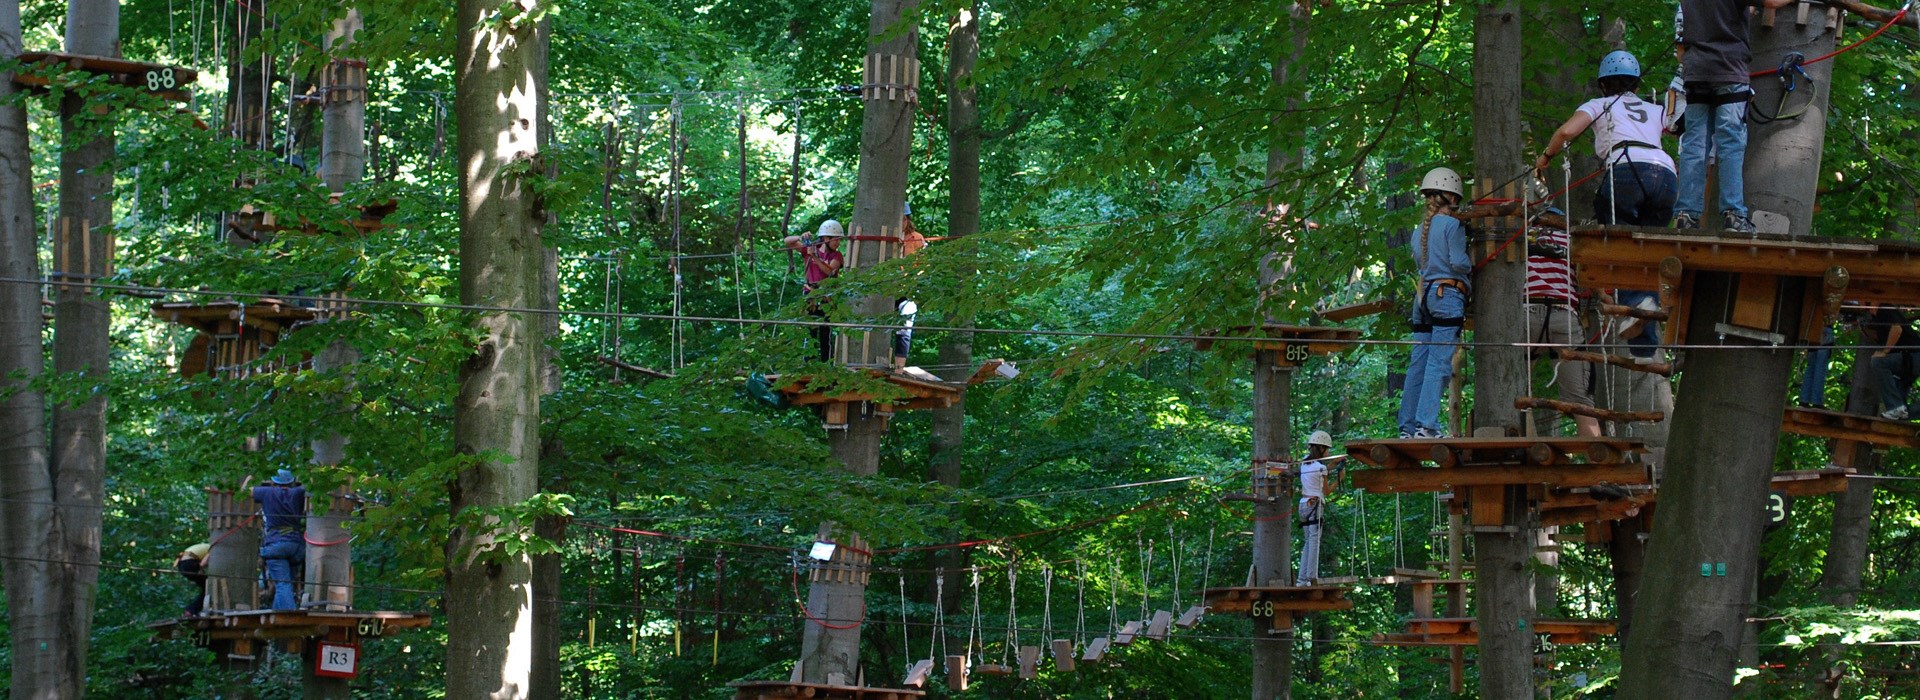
(1633, 312)
(1661, 368)
(1528, 402)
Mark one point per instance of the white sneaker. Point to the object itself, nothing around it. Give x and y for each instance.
(1895, 413)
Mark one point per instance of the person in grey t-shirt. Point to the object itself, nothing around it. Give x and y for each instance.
(1713, 65)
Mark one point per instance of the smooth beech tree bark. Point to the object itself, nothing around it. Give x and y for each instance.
(497, 59)
(946, 453)
(1841, 574)
(1687, 628)
(836, 595)
(1272, 520)
(82, 324)
(1503, 593)
(27, 513)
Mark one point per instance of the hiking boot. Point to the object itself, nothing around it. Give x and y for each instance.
(1425, 434)
(1404, 435)
(1737, 222)
(1895, 413)
(1684, 220)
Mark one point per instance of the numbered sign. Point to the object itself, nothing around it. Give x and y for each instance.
(337, 660)
(1779, 506)
(161, 79)
(1296, 353)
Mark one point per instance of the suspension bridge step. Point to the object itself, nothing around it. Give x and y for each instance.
(1062, 654)
(918, 673)
(767, 690)
(1096, 650)
(1127, 633)
(1157, 628)
(1871, 430)
(1029, 662)
(1191, 618)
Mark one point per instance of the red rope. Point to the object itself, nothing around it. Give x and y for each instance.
(818, 621)
(234, 529)
(310, 541)
(683, 538)
(1516, 235)
(1870, 37)
(1073, 526)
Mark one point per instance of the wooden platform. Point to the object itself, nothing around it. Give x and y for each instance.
(1873, 430)
(758, 690)
(371, 219)
(167, 82)
(1581, 505)
(235, 632)
(1279, 605)
(1464, 462)
(1783, 283)
(1294, 343)
(232, 335)
(891, 390)
(1464, 631)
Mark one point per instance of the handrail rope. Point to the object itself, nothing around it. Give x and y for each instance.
(310, 541)
(1523, 229)
(1836, 52)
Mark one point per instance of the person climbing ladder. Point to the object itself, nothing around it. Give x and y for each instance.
(283, 544)
(1440, 304)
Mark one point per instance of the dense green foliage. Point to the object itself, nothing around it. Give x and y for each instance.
(1125, 157)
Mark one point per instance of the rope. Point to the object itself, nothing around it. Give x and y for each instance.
(310, 541)
(1870, 37)
(1080, 598)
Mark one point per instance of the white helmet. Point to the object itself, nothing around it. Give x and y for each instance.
(1442, 180)
(1321, 438)
(831, 229)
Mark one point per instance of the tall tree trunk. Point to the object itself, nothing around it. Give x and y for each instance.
(497, 411)
(343, 161)
(1272, 519)
(1503, 559)
(1688, 628)
(27, 514)
(836, 598)
(1840, 576)
(947, 453)
(82, 325)
(547, 568)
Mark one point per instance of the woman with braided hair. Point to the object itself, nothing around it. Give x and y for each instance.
(1440, 306)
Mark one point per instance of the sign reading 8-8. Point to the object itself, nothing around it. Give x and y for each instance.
(161, 79)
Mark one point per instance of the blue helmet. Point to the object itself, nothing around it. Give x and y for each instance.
(1619, 63)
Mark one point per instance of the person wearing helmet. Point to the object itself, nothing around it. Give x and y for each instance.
(821, 253)
(1638, 187)
(1440, 303)
(192, 563)
(911, 242)
(1551, 317)
(1713, 67)
(1313, 493)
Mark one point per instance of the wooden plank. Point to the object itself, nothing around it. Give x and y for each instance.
(1428, 479)
(1029, 662)
(1352, 311)
(956, 672)
(1528, 402)
(1190, 618)
(918, 673)
(1127, 633)
(1487, 504)
(1063, 655)
(1096, 650)
(1158, 627)
(1624, 362)
(1753, 302)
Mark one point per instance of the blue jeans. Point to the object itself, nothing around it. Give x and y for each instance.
(1894, 375)
(1813, 382)
(1727, 126)
(1640, 194)
(1646, 344)
(279, 555)
(1436, 329)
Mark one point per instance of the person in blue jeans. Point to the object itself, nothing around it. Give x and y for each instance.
(1714, 54)
(1813, 382)
(283, 542)
(1638, 187)
(1440, 309)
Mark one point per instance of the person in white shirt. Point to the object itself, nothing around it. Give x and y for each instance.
(1639, 186)
(1313, 493)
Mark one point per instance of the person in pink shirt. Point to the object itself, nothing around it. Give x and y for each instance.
(821, 252)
